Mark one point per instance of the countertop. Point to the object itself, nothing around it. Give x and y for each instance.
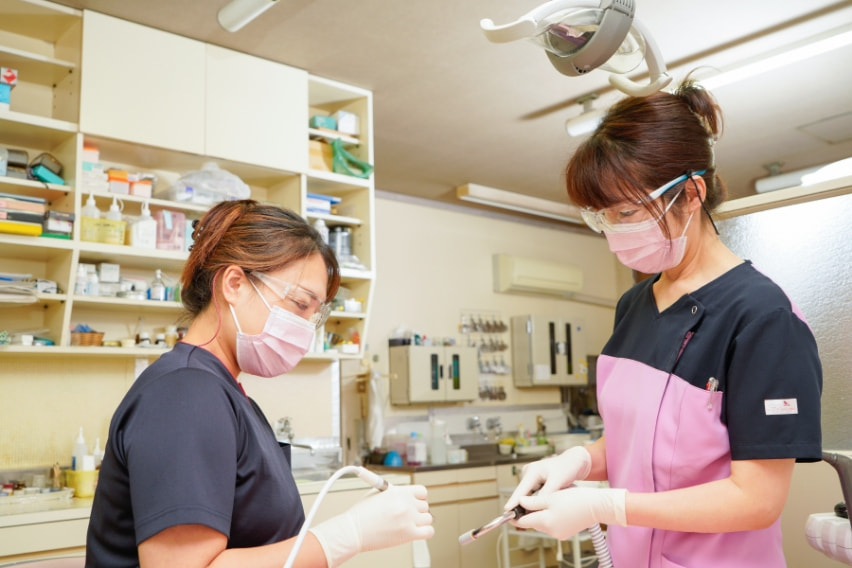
(29, 512)
(495, 459)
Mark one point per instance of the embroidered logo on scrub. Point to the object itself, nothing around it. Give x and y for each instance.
(776, 406)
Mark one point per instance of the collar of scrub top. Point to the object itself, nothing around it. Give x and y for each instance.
(612, 39)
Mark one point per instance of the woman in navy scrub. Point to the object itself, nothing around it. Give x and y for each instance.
(192, 473)
(710, 384)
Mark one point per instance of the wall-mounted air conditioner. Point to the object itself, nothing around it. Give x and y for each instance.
(534, 276)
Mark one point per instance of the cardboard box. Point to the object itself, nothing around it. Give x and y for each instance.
(319, 156)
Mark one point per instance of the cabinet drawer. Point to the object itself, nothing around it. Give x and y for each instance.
(21, 539)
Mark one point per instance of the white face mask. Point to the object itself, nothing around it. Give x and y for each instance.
(283, 342)
(647, 249)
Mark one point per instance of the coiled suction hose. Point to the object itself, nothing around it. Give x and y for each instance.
(601, 549)
(370, 478)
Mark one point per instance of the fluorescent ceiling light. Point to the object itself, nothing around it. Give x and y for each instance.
(517, 202)
(805, 177)
(237, 13)
(788, 55)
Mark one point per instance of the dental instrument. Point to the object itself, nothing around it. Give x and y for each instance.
(474, 534)
(597, 536)
(370, 478)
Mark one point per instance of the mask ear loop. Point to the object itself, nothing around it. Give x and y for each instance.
(690, 173)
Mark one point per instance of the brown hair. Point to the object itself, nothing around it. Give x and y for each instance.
(644, 142)
(252, 236)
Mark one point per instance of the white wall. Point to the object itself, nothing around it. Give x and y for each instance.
(434, 264)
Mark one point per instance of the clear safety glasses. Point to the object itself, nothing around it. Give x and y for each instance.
(628, 218)
(299, 301)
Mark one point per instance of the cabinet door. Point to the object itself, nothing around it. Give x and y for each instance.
(483, 551)
(142, 85)
(461, 369)
(426, 374)
(444, 546)
(257, 110)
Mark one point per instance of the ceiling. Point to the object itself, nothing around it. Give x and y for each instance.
(452, 108)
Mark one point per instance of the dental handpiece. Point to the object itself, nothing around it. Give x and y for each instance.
(509, 515)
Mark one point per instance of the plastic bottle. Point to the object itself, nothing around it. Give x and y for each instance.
(157, 291)
(93, 285)
(90, 209)
(98, 453)
(143, 231)
(79, 451)
(415, 450)
(114, 213)
(322, 229)
(81, 281)
(171, 335)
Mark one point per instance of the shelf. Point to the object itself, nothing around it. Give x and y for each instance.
(168, 260)
(105, 303)
(332, 183)
(315, 133)
(335, 219)
(37, 19)
(346, 315)
(32, 188)
(153, 202)
(42, 350)
(19, 129)
(140, 157)
(22, 247)
(34, 67)
(350, 274)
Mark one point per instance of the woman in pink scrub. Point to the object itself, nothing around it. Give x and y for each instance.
(709, 387)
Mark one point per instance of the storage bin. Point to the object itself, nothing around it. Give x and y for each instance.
(320, 156)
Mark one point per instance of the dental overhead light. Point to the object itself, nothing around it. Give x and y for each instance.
(580, 36)
(237, 13)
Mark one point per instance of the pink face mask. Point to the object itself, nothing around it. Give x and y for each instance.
(647, 249)
(283, 342)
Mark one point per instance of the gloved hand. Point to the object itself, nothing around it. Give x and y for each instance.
(569, 511)
(552, 474)
(395, 516)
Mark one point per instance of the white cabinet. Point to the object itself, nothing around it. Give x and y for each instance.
(257, 110)
(142, 85)
(423, 373)
(461, 500)
(548, 351)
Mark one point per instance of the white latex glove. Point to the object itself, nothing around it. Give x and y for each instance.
(569, 511)
(552, 474)
(395, 516)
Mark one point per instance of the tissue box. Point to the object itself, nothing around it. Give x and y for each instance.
(323, 121)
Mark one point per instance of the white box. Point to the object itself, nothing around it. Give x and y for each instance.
(348, 122)
(109, 272)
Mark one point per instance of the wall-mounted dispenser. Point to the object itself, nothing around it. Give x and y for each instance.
(548, 351)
